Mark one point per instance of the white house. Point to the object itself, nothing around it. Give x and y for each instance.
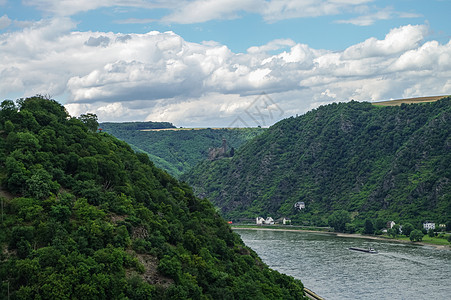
(269, 221)
(299, 205)
(428, 225)
(260, 220)
(390, 224)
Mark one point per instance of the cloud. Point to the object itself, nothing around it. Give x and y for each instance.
(396, 41)
(287, 9)
(205, 10)
(271, 46)
(72, 7)
(160, 76)
(198, 11)
(4, 22)
(383, 14)
(135, 21)
(102, 41)
(430, 56)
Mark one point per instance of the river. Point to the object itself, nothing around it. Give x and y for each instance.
(324, 264)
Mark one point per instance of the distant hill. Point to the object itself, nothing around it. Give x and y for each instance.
(177, 150)
(82, 216)
(389, 162)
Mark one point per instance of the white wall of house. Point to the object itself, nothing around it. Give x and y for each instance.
(428, 225)
(269, 221)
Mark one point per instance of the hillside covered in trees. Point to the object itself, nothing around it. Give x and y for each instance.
(177, 151)
(392, 163)
(85, 217)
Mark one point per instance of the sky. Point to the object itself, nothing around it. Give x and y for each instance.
(218, 63)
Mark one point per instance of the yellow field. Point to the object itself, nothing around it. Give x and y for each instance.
(408, 101)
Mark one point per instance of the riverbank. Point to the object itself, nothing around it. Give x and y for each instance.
(352, 235)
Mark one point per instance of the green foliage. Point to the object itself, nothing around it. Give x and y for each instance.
(339, 219)
(407, 229)
(350, 228)
(91, 219)
(90, 120)
(177, 151)
(387, 163)
(395, 230)
(368, 227)
(416, 235)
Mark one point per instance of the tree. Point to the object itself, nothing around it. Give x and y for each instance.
(431, 232)
(339, 219)
(232, 152)
(90, 120)
(396, 230)
(416, 235)
(350, 228)
(7, 110)
(449, 238)
(448, 226)
(368, 227)
(40, 184)
(379, 224)
(407, 229)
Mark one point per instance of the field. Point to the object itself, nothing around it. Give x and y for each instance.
(408, 101)
(198, 128)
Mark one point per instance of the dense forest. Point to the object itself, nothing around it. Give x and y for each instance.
(85, 217)
(177, 151)
(373, 162)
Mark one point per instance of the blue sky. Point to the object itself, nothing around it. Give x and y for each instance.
(204, 62)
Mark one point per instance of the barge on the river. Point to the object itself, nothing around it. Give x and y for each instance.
(366, 250)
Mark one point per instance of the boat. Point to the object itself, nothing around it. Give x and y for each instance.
(366, 250)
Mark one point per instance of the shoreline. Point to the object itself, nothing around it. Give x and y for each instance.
(351, 235)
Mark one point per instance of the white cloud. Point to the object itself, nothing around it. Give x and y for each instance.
(198, 11)
(161, 76)
(271, 46)
(4, 21)
(429, 56)
(396, 41)
(205, 10)
(287, 9)
(383, 14)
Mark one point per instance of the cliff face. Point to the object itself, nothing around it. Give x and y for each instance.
(372, 161)
(88, 218)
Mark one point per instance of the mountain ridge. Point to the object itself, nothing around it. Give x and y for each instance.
(373, 161)
(91, 219)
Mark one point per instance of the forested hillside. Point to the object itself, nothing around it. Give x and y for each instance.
(392, 163)
(177, 151)
(85, 217)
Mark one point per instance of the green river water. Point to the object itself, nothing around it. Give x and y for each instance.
(324, 263)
